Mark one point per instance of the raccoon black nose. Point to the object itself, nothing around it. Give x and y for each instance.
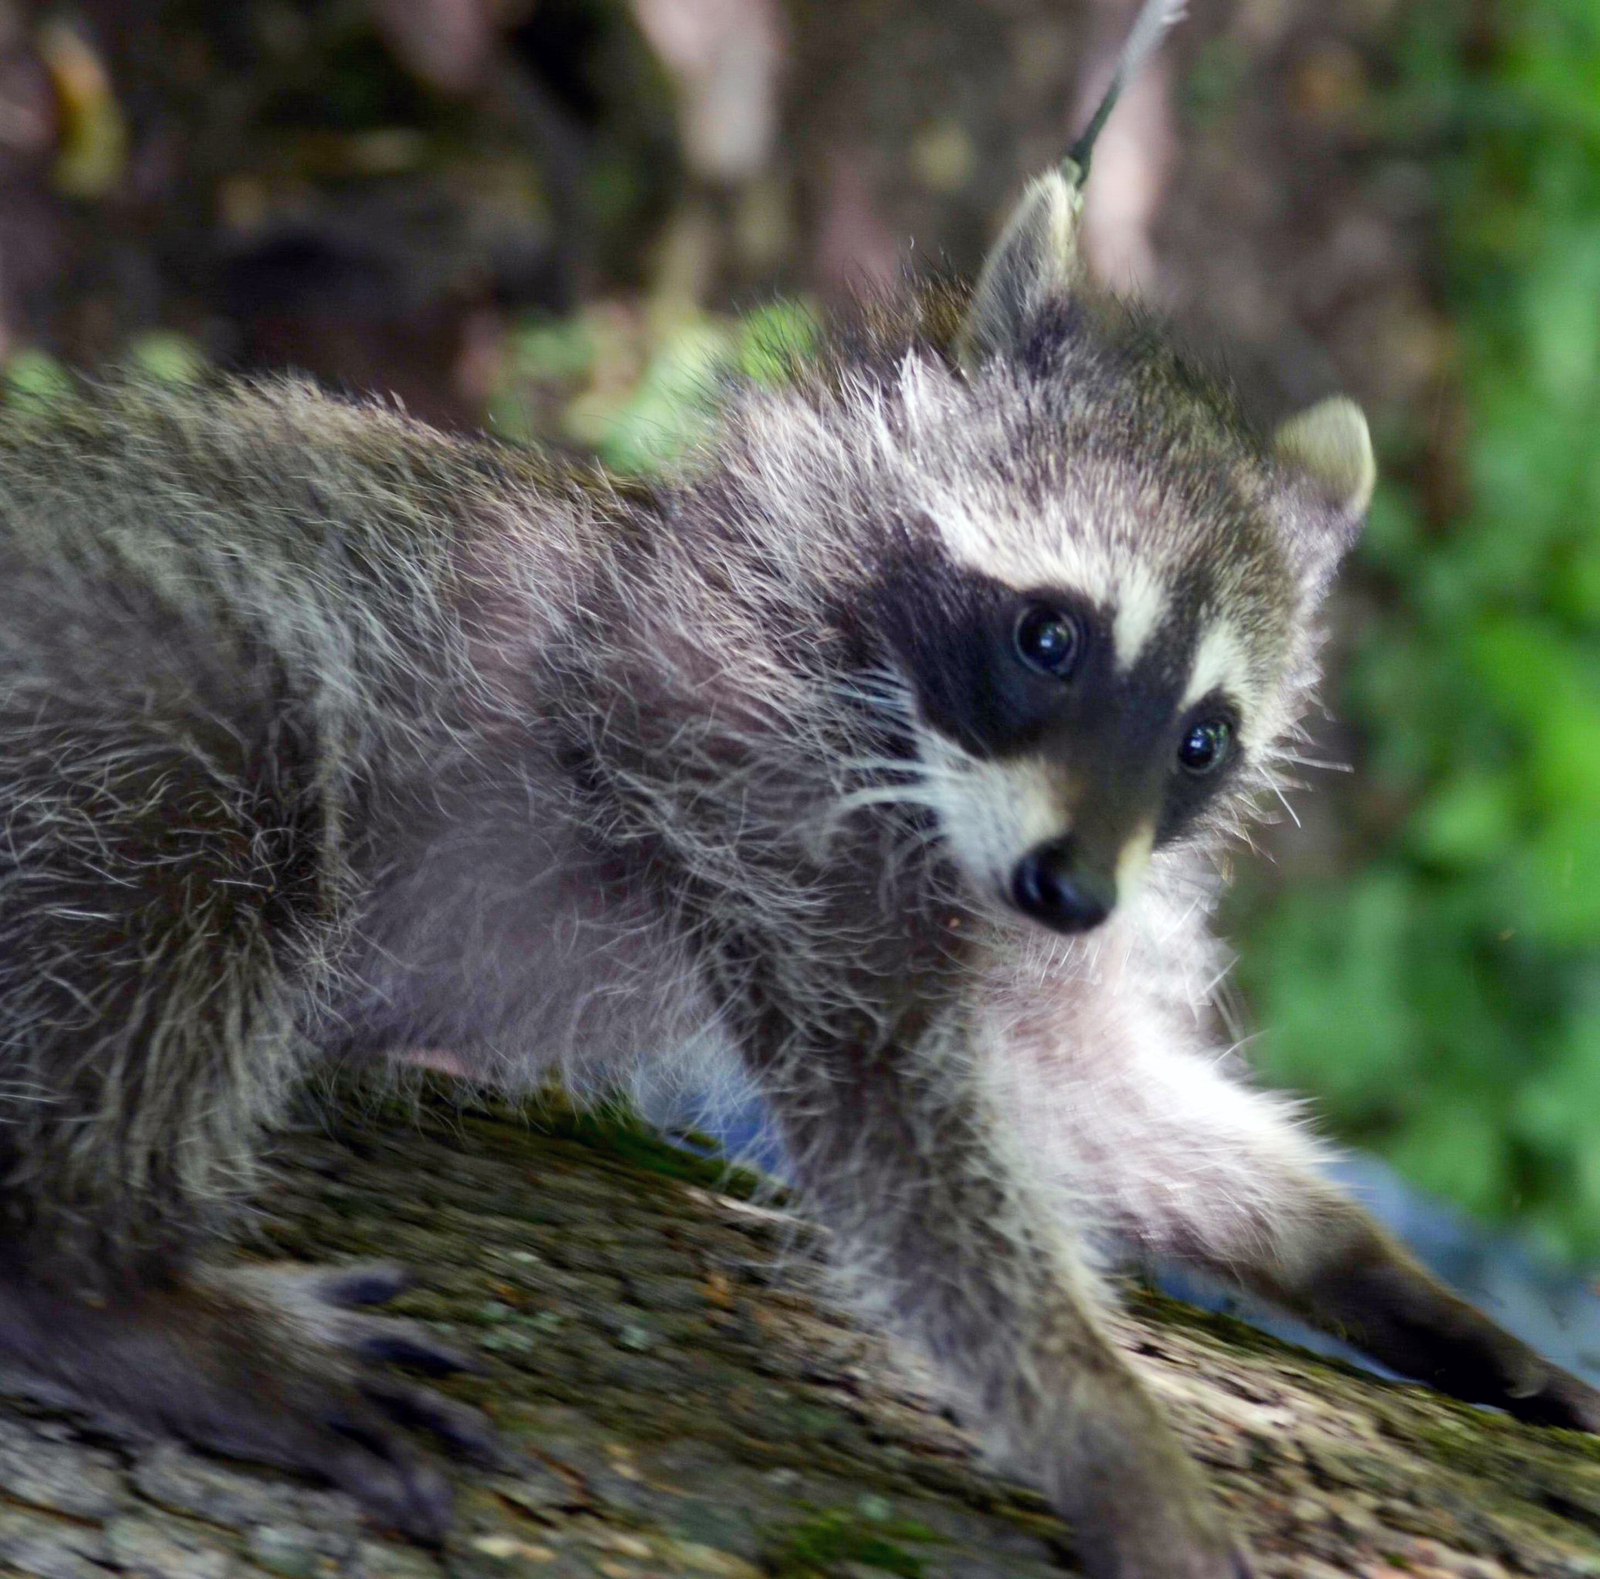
(1046, 886)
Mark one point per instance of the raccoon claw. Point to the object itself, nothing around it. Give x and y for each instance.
(327, 1300)
(387, 1340)
(458, 1426)
(392, 1485)
(262, 1363)
(345, 1295)
(1564, 1400)
(374, 1463)
(357, 1287)
(403, 1343)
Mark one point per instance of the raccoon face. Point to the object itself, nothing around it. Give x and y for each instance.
(1102, 668)
(1109, 581)
(1064, 735)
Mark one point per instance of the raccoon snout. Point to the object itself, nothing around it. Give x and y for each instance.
(1049, 886)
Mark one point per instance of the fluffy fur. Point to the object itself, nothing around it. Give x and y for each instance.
(324, 736)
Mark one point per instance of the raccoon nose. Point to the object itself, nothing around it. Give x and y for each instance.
(1047, 886)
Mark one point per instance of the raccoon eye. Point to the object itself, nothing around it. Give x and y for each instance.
(1049, 640)
(1205, 745)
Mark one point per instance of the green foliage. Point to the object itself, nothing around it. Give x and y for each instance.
(1443, 1000)
(864, 1538)
(36, 380)
(638, 392)
(167, 357)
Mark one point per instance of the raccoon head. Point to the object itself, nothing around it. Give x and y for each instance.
(1104, 584)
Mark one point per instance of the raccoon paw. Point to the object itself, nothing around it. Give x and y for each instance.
(332, 1303)
(1563, 1400)
(367, 1407)
(1234, 1563)
(285, 1366)
(1169, 1529)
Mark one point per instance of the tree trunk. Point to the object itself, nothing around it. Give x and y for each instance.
(678, 1399)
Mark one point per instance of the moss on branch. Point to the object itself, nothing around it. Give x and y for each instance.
(679, 1402)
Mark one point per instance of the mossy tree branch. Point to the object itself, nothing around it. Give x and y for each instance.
(677, 1399)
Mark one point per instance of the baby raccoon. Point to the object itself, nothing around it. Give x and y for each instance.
(889, 748)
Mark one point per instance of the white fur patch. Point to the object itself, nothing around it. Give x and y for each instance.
(1133, 859)
(1141, 605)
(991, 813)
(1022, 559)
(1220, 663)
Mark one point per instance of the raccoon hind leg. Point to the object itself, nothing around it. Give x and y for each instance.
(166, 905)
(265, 1364)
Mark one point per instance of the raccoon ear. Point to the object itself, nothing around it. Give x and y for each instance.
(1035, 257)
(1328, 443)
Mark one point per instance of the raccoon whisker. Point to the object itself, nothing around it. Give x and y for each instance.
(1324, 764)
(1277, 782)
(881, 686)
(907, 767)
(828, 825)
(884, 795)
(1208, 991)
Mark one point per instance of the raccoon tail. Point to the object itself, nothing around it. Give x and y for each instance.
(1149, 28)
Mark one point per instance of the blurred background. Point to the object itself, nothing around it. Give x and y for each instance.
(551, 216)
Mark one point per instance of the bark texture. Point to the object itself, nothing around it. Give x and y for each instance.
(678, 1398)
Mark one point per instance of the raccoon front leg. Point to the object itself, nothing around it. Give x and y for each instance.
(1196, 1168)
(1356, 1281)
(938, 1227)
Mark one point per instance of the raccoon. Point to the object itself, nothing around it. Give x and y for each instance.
(889, 748)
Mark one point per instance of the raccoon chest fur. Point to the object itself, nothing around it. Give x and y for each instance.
(502, 937)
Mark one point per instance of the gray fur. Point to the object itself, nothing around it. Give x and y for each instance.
(326, 737)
